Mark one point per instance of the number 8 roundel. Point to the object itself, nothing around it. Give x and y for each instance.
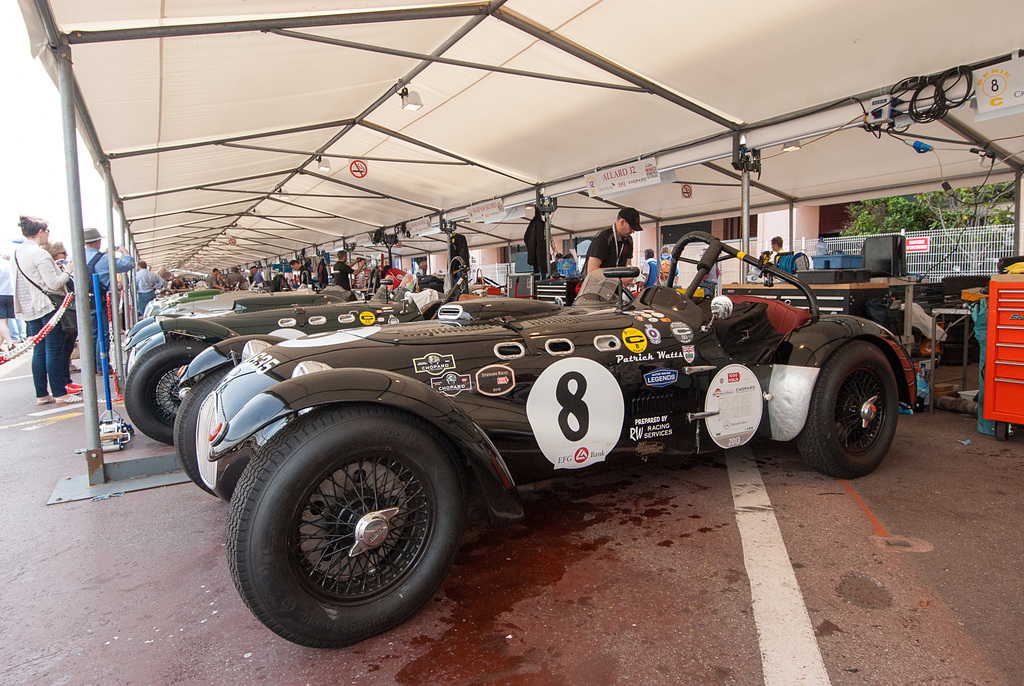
(575, 409)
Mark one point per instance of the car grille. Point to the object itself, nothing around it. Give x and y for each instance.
(207, 417)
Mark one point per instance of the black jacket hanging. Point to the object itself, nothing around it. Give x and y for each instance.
(536, 255)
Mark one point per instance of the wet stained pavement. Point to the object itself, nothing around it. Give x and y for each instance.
(908, 576)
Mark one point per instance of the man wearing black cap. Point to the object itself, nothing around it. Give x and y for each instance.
(613, 247)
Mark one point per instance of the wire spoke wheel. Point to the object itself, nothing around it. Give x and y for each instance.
(165, 401)
(151, 392)
(858, 394)
(326, 539)
(345, 523)
(851, 420)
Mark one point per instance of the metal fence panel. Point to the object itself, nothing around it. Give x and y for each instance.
(972, 251)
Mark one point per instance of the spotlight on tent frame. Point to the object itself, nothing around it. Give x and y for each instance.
(410, 100)
(323, 164)
(790, 146)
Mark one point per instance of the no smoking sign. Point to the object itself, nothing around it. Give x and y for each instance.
(358, 168)
(687, 190)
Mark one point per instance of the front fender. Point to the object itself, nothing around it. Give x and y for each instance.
(226, 352)
(140, 333)
(202, 328)
(386, 388)
(143, 346)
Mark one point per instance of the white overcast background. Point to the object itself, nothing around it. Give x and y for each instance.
(32, 179)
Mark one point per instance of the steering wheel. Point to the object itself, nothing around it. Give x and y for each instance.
(618, 274)
(455, 291)
(715, 248)
(704, 265)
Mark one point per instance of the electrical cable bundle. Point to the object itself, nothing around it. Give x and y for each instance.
(930, 98)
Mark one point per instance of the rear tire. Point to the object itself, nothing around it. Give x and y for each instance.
(186, 421)
(345, 524)
(834, 440)
(151, 394)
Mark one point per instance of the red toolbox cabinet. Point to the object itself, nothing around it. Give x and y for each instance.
(1004, 352)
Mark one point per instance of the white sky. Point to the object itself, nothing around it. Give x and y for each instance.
(32, 175)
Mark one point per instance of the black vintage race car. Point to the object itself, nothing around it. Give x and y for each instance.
(210, 366)
(359, 449)
(157, 348)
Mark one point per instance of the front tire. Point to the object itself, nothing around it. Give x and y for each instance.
(852, 418)
(187, 420)
(345, 524)
(151, 394)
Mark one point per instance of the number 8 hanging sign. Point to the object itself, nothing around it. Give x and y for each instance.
(575, 409)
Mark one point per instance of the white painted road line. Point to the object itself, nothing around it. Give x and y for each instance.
(789, 650)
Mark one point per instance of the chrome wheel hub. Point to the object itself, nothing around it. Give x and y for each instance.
(371, 530)
(868, 411)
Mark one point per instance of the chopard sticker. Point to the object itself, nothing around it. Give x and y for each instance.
(653, 334)
(649, 448)
(434, 363)
(496, 379)
(661, 377)
(689, 354)
(367, 318)
(650, 427)
(634, 339)
(682, 332)
(452, 383)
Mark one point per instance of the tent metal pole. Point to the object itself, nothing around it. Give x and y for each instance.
(792, 226)
(1017, 247)
(66, 85)
(744, 218)
(115, 297)
(302, 22)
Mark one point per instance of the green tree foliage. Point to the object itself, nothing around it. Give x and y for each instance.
(962, 207)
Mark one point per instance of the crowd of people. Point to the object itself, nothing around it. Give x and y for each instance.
(34, 283)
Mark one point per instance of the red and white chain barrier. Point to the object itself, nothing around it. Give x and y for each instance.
(31, 342)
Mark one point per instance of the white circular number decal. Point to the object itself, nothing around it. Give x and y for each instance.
(735, 394)
(575, 409)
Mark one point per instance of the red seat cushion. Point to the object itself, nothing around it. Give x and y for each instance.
(783, 316)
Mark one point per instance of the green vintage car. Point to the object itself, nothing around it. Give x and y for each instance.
(156, 348)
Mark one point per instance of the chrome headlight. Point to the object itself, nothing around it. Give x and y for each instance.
(309, 367)
(254, 347)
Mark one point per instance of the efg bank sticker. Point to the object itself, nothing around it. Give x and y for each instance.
(575, 409)
(496, 379)
(735, 394)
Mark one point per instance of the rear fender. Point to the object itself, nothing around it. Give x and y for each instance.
(812, 344)
(394, 390)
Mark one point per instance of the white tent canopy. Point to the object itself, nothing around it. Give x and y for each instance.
(212, 115)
